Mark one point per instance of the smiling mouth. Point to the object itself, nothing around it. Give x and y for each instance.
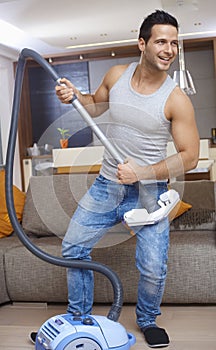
(165, 59)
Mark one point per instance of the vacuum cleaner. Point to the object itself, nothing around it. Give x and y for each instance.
(66, 331)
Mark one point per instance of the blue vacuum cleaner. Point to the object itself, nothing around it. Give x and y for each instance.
(67, 332)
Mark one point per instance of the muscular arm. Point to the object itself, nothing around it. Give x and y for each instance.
(96, 103)
(185, 136)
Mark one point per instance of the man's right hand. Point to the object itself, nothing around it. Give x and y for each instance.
(65, 91)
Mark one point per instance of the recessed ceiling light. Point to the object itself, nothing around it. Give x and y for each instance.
(102, 43)
(198, 33)
(180, 2)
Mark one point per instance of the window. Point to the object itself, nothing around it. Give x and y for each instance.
(48, 113)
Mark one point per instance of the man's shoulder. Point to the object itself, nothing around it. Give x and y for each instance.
(114, 73)
(119, 69)
(178, 103)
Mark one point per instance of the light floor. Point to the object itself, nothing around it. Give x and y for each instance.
(189, 327)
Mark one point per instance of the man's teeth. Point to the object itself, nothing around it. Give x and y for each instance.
(164, 59)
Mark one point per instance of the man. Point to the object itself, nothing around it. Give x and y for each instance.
(145, 107)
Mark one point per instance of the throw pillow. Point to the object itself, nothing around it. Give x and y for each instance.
(19, 200)
(201, 195)
(179, 209)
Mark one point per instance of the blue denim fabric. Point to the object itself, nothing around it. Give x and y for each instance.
(102, 207)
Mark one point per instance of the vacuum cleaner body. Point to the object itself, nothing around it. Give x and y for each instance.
(86, 332)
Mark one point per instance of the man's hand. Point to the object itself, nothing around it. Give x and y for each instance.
(128, 173)
(66, 91)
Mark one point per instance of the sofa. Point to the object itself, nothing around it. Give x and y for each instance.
(49, 204)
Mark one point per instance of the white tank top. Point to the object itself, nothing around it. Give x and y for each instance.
(137, 125)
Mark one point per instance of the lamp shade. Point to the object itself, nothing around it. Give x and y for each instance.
(182, 76)
(185, 81)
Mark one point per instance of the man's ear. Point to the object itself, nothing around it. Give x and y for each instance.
(141, 44)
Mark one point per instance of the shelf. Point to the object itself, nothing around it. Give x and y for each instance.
(94, 169)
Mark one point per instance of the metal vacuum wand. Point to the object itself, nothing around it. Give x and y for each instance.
(134, 217)
(90, 122)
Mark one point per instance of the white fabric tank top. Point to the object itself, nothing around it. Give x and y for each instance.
(137, 125)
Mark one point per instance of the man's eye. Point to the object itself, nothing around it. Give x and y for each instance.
(161, 42)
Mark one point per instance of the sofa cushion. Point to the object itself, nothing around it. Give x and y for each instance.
(19, 199)
(6, 244)
(49, 214)
(201, 195)
(191, 271)
(45, 282)
(3, 290)
(191, 267)
(51, 201)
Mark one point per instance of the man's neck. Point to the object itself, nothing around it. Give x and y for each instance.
(146, 81)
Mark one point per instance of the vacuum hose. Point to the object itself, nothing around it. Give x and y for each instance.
(115, 309)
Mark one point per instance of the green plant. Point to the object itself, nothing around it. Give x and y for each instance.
(64, 133)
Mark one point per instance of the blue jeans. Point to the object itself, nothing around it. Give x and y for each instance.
(102, 207)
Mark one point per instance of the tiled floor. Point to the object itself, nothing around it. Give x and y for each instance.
(189, 327)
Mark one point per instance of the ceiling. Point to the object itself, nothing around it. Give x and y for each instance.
(51, 26)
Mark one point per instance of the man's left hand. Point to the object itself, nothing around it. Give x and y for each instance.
(128, 173)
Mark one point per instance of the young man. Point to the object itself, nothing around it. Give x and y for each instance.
(145, 107)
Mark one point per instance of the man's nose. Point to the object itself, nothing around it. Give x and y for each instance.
(168, 48)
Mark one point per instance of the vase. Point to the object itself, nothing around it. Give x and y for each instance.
(64, 143)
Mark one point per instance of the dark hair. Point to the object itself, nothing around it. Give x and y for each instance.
(157, 17)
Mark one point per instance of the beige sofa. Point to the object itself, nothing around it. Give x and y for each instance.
(50, 202)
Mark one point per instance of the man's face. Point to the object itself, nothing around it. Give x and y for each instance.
(162, 47)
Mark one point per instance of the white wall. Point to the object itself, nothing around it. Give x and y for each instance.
(6, 100)
(201, 66)
(97, 69)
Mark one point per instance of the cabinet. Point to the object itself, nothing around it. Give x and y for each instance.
(78, 160)
(36, 166)
(212, 155)
(206, 166)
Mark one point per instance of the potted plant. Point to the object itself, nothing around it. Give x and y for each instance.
(64, 137)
